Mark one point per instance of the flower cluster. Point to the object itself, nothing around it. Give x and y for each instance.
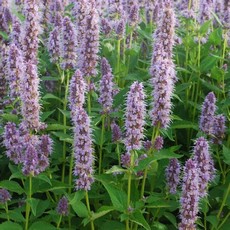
(204, 163)
(173, 175)
(83, 151)
(190, 196)
(106, 86)
(135, 115)
(4, 196)
(62, 208)
(206, 8)
(69, 44)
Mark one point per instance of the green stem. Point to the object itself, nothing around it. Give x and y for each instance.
(224, 220)
(101, 143)
(118, 59)
(71, 171)
(64, 123)
(118, 154)
(29, 196)
(88, 207)
(7, 211)
(59, 221)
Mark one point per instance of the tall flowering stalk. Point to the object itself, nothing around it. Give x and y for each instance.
(218, 129)
(189, 197)
(15, 70)
(207, 113)
(83, 153)
(162, 68)
(204, 163)
(91, 42)
(31, 31)
(15, 35)
(29, 95)
(106, 86)
(206, 8)
(134, 125)
(69, 44)
(173, 175)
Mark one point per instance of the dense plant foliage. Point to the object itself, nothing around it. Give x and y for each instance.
(115, 114)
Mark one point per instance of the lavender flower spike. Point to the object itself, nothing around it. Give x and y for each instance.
(173, 175)
(106, 87)
(4, 196)
(218, 129)
(69, 45)
(77, 92)
(31, 31)
(83, 151)
(135, 115)
(204, 163)
(90, 44)
(189, 197)
(207, 113)
(30, 97)
(206, 8)
(15, 70)
(62, 208)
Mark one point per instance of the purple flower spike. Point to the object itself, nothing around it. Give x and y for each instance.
(12, 142)
(204, 163)
(162, 93)
(106, 87)
(15, 70)
(83, 151)
(134, 15)
(30, 97)
(206, 8)
(125, 160)
(135, 115)
(218, 129)
(69, 45)
(54, 44)
(77, 92)
(120, 28)
(189, 197)
(90, 42)
(31, 31)
(4, 196)
(207, 113)
(105, 26)
(116, 132)
(159, 142)
(62, 208)
(173, 175)
(16, 33)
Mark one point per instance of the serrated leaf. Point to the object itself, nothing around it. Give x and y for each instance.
(226, 153)
(138, 218)
(42, 225)
(12, 186)
(116, 169)
(10, 226)
(33, 204)
(101, 212)
(10, 117)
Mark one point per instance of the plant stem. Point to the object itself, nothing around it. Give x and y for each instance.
(71, 171)
(59, 221)
(101, 143)
(118, 59)
(27, 203)
(118, 154)
(7, 211)
(88, 207)
(225, 219)
(64, 123)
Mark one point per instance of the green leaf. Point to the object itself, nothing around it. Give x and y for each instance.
(115, 169)
(33, 204)
(10, 226)
(184, 125)
(162, 154)
(10, 117)
(45, 115)
(44, 178)
(101, 212)
(56, 127)
(80, 209)
(64, 137)
(138, 218)
(171, 218)
(205, 27)
(42, 225)
(117, 196)
(12, 186)
(226, 153)
(51, 96)
(213, 220)
(65, 112)
(208, 63)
